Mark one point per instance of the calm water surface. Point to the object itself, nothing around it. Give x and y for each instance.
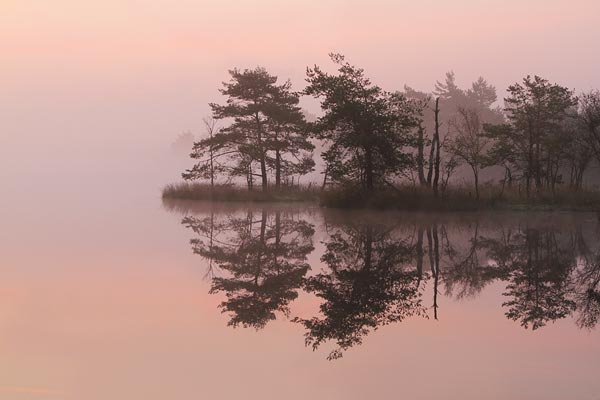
(139, 299)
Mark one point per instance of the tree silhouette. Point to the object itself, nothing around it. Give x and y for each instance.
(267, 128)
(367, 284)
(467, 273)
(587, 293)
(535, 109)
(441, 109)
(263, 260)
(469, 143)
(374, 270)
(368, 131)
(537, 264)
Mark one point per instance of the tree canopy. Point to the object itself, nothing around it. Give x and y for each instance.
(267, 131)
(367, 130)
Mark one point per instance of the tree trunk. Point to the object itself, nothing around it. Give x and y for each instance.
(277, 231)
(249, 177)
(530, 161)
(325, 177)
(538, 166)
(476, 178)
(261, 149)
(368, 168)
(436, 253)
(436, 176)
(263, 170)
(212, 166)
(277, 169)
(431, 156)
(421, 156)
(420, 254)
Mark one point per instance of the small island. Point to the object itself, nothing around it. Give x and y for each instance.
(450, 150)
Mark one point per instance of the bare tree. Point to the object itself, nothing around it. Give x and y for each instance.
(433, 174)
(438, 146)
(449, 166)
(210, 124)
(469, 144)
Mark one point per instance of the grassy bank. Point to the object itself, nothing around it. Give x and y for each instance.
(461, 199)
(200, 191)
(405, 198)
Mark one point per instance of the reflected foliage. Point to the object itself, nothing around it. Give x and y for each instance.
(378, 271)
(539, 284)
(365, 285)
(261, 260)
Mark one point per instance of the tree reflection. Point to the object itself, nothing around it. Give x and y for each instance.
(366, 284)
(379, 271)
(550, 274)
(539, 282)
(468, 271)
(587, 298)
(263, 260)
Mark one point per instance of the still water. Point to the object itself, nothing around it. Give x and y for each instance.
(141, 299)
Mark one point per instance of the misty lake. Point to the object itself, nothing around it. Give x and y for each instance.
(146, 299)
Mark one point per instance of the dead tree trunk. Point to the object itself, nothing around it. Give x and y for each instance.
(436, 175)
(421, 156)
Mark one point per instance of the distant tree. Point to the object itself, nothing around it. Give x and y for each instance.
(422, 101)
(421, 154)
(211, 128)
(482, 92)
(209, 166)
(183, 143)
(449, 166)
(367, 129)
(448, 89)
(480, 97)
(469, 143)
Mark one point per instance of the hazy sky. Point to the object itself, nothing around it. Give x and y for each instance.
(96, 86)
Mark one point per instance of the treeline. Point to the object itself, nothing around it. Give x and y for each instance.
(545, 136)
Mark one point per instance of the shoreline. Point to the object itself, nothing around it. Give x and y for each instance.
(406, 199)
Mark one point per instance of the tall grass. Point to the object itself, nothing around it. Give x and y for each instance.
(461, 199)
(202, 191)
(403, 198)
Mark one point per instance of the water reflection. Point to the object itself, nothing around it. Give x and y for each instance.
(367, 281)
(381, 268)
(257, 260)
